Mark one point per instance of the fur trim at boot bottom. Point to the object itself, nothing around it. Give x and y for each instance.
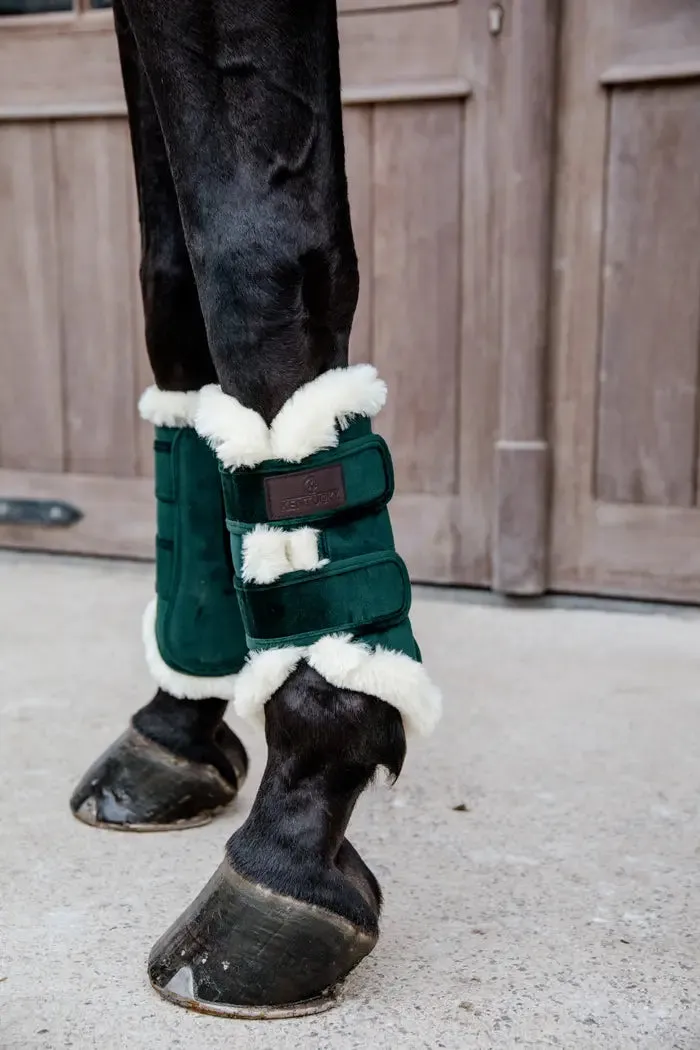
(346, 664)
(180, 685)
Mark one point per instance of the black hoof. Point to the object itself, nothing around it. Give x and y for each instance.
(241, 950)
(136, 785)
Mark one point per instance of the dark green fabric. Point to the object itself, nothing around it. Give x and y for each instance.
(367, 473)
(364, 590)
(361, 595)
(198, 624)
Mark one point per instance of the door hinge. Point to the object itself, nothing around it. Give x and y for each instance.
(45, 512)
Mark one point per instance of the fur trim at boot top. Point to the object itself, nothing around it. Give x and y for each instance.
(346, 664)
(183, 686)
(169, 408)
(308, 422)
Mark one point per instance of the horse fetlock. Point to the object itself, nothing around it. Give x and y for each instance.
(293, 908)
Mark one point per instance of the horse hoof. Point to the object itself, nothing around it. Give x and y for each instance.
(241, 950)
(136, 785)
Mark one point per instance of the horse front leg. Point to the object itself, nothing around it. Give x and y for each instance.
(178, 761)
(248, 97)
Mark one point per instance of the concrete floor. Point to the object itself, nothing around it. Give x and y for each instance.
(560, 907)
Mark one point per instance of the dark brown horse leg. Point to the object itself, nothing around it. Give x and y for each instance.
(248, 97)
(178, 762)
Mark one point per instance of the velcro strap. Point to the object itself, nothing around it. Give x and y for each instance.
(360, 595)
(357, 475)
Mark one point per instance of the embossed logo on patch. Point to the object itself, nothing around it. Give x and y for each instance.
(308, 492)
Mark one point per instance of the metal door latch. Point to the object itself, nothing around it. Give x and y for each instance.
(46, 512)
(495, 19)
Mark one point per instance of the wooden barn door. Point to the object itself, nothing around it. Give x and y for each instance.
(626, 514)
(420, 117)
(421, 111)
(71, 348)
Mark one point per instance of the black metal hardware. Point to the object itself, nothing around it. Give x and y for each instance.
(33, 7)
(53, 513)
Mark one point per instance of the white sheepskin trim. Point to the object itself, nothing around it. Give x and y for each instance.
(168, 408)
(238, 435)
(262, 675)
(264, 555)
(182, 686)
(393, 677)
(346, 664)
(269, 553)
(308, 422)
(302, 550)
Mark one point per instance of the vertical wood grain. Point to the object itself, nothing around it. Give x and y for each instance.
(143, 374)
(31, 429)
(357, 124)
(93, 200)
(481, 176)
(520, 538)
(651, 299)
(416, 287)
(586, 50)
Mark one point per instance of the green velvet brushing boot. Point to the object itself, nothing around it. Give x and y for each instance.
(325, 600)
(195, 645)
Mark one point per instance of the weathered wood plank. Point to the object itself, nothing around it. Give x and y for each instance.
(416, 288)
(651, 299)
(638, 552)
(60, 66)
(522, 491)
(655, 33)
(358, 161)
(661, 65)
(345, 6)
(94, 186)
(119, 514)
(141, 365)
(425, 528)
(31, 426)
(420, 43)
(483, 134)
(70, 66)
(588, 31)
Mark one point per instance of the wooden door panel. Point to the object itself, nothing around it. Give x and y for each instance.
(651, 298)
(414, 190)
(98, 256)
(399, 46)
(406, 212)
(626, 319)
(653, 39)
(416, 288)
(31, 422)
(420, 159)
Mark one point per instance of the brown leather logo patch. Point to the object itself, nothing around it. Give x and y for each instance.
(308, 492)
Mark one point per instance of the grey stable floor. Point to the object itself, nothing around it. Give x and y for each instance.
(560, 906)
